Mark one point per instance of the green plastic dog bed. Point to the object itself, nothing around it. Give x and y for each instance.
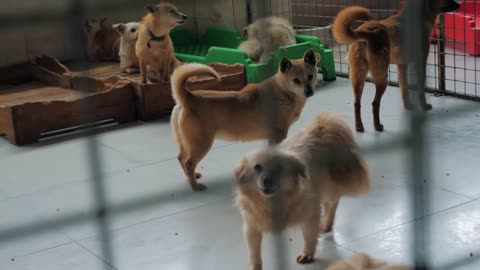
(219, 44)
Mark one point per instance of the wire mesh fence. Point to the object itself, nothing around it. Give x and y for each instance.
(452, 62)
(451, 68)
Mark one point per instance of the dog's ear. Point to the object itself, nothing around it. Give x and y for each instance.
(151, 8)
(103, 20)
(285, 65)
(245, 31)
(242, 170)
(298, 167)
(120, 27)
(310, 57)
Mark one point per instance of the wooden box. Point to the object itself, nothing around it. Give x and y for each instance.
(154, 100)
(56, 99)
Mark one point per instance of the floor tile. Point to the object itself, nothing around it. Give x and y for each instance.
(454, 234)
(69, 256)
(17, 214)
(38, 167)
(208, 238)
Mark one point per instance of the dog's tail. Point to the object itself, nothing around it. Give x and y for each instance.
(346, 167)
(342, 26)
(181, 75)
(351, 176)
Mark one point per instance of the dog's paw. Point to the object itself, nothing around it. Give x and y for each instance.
(256, 267)
(324, 229)
(427, 107)
(359, 128)
(409, 107)
(198, 175)
(379, 127)
(199, 187)
(304, 259)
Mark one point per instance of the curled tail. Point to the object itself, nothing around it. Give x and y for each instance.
(350, 173)
(342, 26)
(180, 76)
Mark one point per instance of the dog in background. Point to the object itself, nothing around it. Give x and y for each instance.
(103, 42)
(375, 45)
(258, 111)
(306, 174)
(364, 262)
(265, 36)
(154, 47)
(129, 35)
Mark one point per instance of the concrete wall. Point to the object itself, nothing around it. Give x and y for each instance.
(28, 37)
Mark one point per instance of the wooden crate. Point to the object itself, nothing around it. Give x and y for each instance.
(154, 100)
(56, 99)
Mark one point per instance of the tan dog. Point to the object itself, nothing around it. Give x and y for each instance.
(375, 45)
(103, 42)
(307, 173)
(266, 35)
(258, 111)
(364, 262)
(154, 47)
(129, 35)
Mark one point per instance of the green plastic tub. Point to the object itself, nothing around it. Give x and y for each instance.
(219, 44)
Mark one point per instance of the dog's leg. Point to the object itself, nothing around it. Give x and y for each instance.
(182, 154)
(143, 70)
(380, 79)
(402, 80)
(254, 242)
(328, 218)
(358, 75)
(197, 143)
(310, 234)
(420, 73)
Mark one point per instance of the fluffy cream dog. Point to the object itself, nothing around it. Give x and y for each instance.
(265, 36)
(129, 35)
(307, 173)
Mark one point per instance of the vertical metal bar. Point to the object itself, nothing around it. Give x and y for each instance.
(441, 54)
(94, 161)
(413, 38)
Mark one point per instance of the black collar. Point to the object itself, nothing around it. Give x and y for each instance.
(154, 38)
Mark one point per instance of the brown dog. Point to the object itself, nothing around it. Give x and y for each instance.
(375, 45)
(103, 42)
(154, 47)
(307, 173)
(258, 111)
(364, 262)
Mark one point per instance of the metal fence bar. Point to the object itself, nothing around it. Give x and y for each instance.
(94, 160)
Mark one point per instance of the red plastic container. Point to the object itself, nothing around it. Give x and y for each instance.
(463, 25)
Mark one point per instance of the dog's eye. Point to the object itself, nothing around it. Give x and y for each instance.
(296, 81)
(172, 11)
(133, 30)
(310, 77)
(258, 168)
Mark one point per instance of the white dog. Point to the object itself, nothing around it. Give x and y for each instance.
(129, 35)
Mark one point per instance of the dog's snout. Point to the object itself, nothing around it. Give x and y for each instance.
(184, 17)
(267, 182)
(308, 92)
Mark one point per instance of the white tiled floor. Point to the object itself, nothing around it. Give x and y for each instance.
(186, 230)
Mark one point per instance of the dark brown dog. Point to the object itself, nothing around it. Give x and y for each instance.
(375, 45)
